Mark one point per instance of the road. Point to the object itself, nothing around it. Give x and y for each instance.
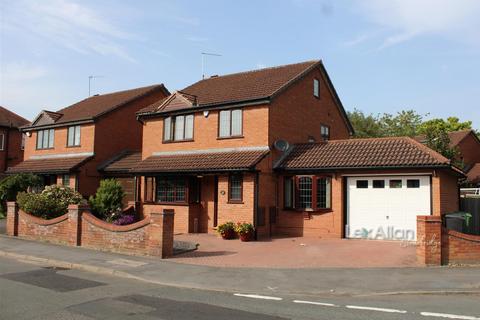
(29, 291)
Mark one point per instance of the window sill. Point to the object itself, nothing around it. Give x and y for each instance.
(73, 146)
(232, 137)
(177, 141)
(235, 202)
(310, 211)
(172, 203)
(40, 149)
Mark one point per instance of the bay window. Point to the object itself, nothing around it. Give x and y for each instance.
(171, 189)
(307, 192)
(230, 123)
(179, 128)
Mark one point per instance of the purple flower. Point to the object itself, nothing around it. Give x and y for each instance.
(124, 220)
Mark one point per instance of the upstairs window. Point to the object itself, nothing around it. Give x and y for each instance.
(2, 141)
(179, 128)
(316, 88)
(22, 145)
(230, 123)
(73, 136)
(307, 192)
(45, 139)
(325, 132)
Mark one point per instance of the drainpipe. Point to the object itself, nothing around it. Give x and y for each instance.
(255, 201)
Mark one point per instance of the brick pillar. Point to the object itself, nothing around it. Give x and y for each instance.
(160, 233)
(12, 218)
(75, 223)
(429, 240)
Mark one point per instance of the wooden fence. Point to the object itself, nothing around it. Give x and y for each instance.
(471, 204)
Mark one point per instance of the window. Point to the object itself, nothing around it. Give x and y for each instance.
(323, 193)
(316, 88)
(73, 136)
(288, 194)
(2, 141)
(66, 180)
(395, 184)
(230, 123)
(378, 184)
(45, 138)
(309, 192)
(362, 184)
(179, 128)
(325, 132)
(235, 188)
(22, 145)
(171, 189)
(413, 183)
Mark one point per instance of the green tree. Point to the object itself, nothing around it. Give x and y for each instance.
(12, 185)
(107, 202)
(438, 139)
(404, 123)
(365, 126)
(449, 125)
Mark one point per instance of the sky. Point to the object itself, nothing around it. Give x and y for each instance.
(383, 56)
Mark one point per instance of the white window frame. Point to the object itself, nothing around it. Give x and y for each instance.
(76, 138)
(48, 139)
(228, 132)
(316, 88)
(2, 141)
(170, 133)
(325, 132)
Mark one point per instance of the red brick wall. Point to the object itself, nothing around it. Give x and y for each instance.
(429, 240)
(445, 192)
(183, 218)
(469, 150)
(153, 235)
(12, 154)
(460, 248)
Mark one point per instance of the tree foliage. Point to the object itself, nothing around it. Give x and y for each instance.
(107, 202)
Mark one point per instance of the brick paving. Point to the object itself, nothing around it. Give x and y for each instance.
(296, 253)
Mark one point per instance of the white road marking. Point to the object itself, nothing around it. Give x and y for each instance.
(315, 303)
(376, 309)
(449, 316)
(256, 296)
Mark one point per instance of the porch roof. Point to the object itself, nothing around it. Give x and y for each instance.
(213, 160)
(121, 163)
(53, 165)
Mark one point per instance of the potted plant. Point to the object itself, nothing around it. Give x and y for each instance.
(245, 230)
(227, 230)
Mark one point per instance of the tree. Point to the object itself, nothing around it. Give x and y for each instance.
(439, 140)
(107, 202)
(404, 123)
(449, 125)
(366, 126)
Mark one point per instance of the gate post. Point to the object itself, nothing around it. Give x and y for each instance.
(429, 240)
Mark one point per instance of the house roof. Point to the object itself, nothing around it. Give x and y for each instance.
(49, 165)
(218, 160)
(122, 163)
(473, 175)
(393, 152)
(94, 106)
(455, 137)
(11, 119)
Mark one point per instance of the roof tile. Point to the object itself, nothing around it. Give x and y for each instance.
(49, 165)
(11, 119)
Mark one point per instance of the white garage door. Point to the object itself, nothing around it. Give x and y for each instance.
(380, 207)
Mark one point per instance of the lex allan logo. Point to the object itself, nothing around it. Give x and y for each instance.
(384, 233)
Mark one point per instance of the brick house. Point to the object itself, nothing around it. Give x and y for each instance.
(11, 139)
(68, 146)
(222, 150)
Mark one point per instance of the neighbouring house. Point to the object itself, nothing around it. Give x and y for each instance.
(68, 146)
(11, 139)
(467, 144)
(254, 147)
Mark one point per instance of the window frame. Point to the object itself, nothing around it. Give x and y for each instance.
(186, 190)
(363, 180)
(2, 141)
(316, 86)
(413, 187)
(63, 180)
(173, 121)
(391, 181)
(230, 136)
(295, 193)
(74, 136)
(50, 134)
(378, 180)
(230, 200)
(324, 126)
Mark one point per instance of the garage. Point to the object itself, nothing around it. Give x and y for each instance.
(386, 207)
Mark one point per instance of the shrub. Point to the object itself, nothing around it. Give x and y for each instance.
(227, 230)
(244, 228)
(12, 185)
(125, 219)
(107, 202)
(52, 202)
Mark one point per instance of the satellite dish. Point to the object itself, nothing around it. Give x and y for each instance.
(281, 145)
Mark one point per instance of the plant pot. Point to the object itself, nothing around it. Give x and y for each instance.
(245, 237)
(229, 234)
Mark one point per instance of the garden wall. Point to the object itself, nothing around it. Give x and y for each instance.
(436, 245)
(78, 227)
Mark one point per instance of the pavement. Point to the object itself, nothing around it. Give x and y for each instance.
(39, 291)
(296, 253)
(307, 281)
(3, 226)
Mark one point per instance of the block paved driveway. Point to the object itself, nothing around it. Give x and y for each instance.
(296, 253)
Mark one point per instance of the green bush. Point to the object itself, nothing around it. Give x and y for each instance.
(12, 185)
(107, 202)
(52, 202)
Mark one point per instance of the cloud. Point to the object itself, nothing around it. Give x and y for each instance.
(404, 20)
(68, 24)
(21, 71)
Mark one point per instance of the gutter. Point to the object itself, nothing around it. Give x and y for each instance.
(56, 125)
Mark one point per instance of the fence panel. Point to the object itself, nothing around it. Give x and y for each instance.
(472, 206)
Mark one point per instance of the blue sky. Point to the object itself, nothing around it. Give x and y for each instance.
(383, 56)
